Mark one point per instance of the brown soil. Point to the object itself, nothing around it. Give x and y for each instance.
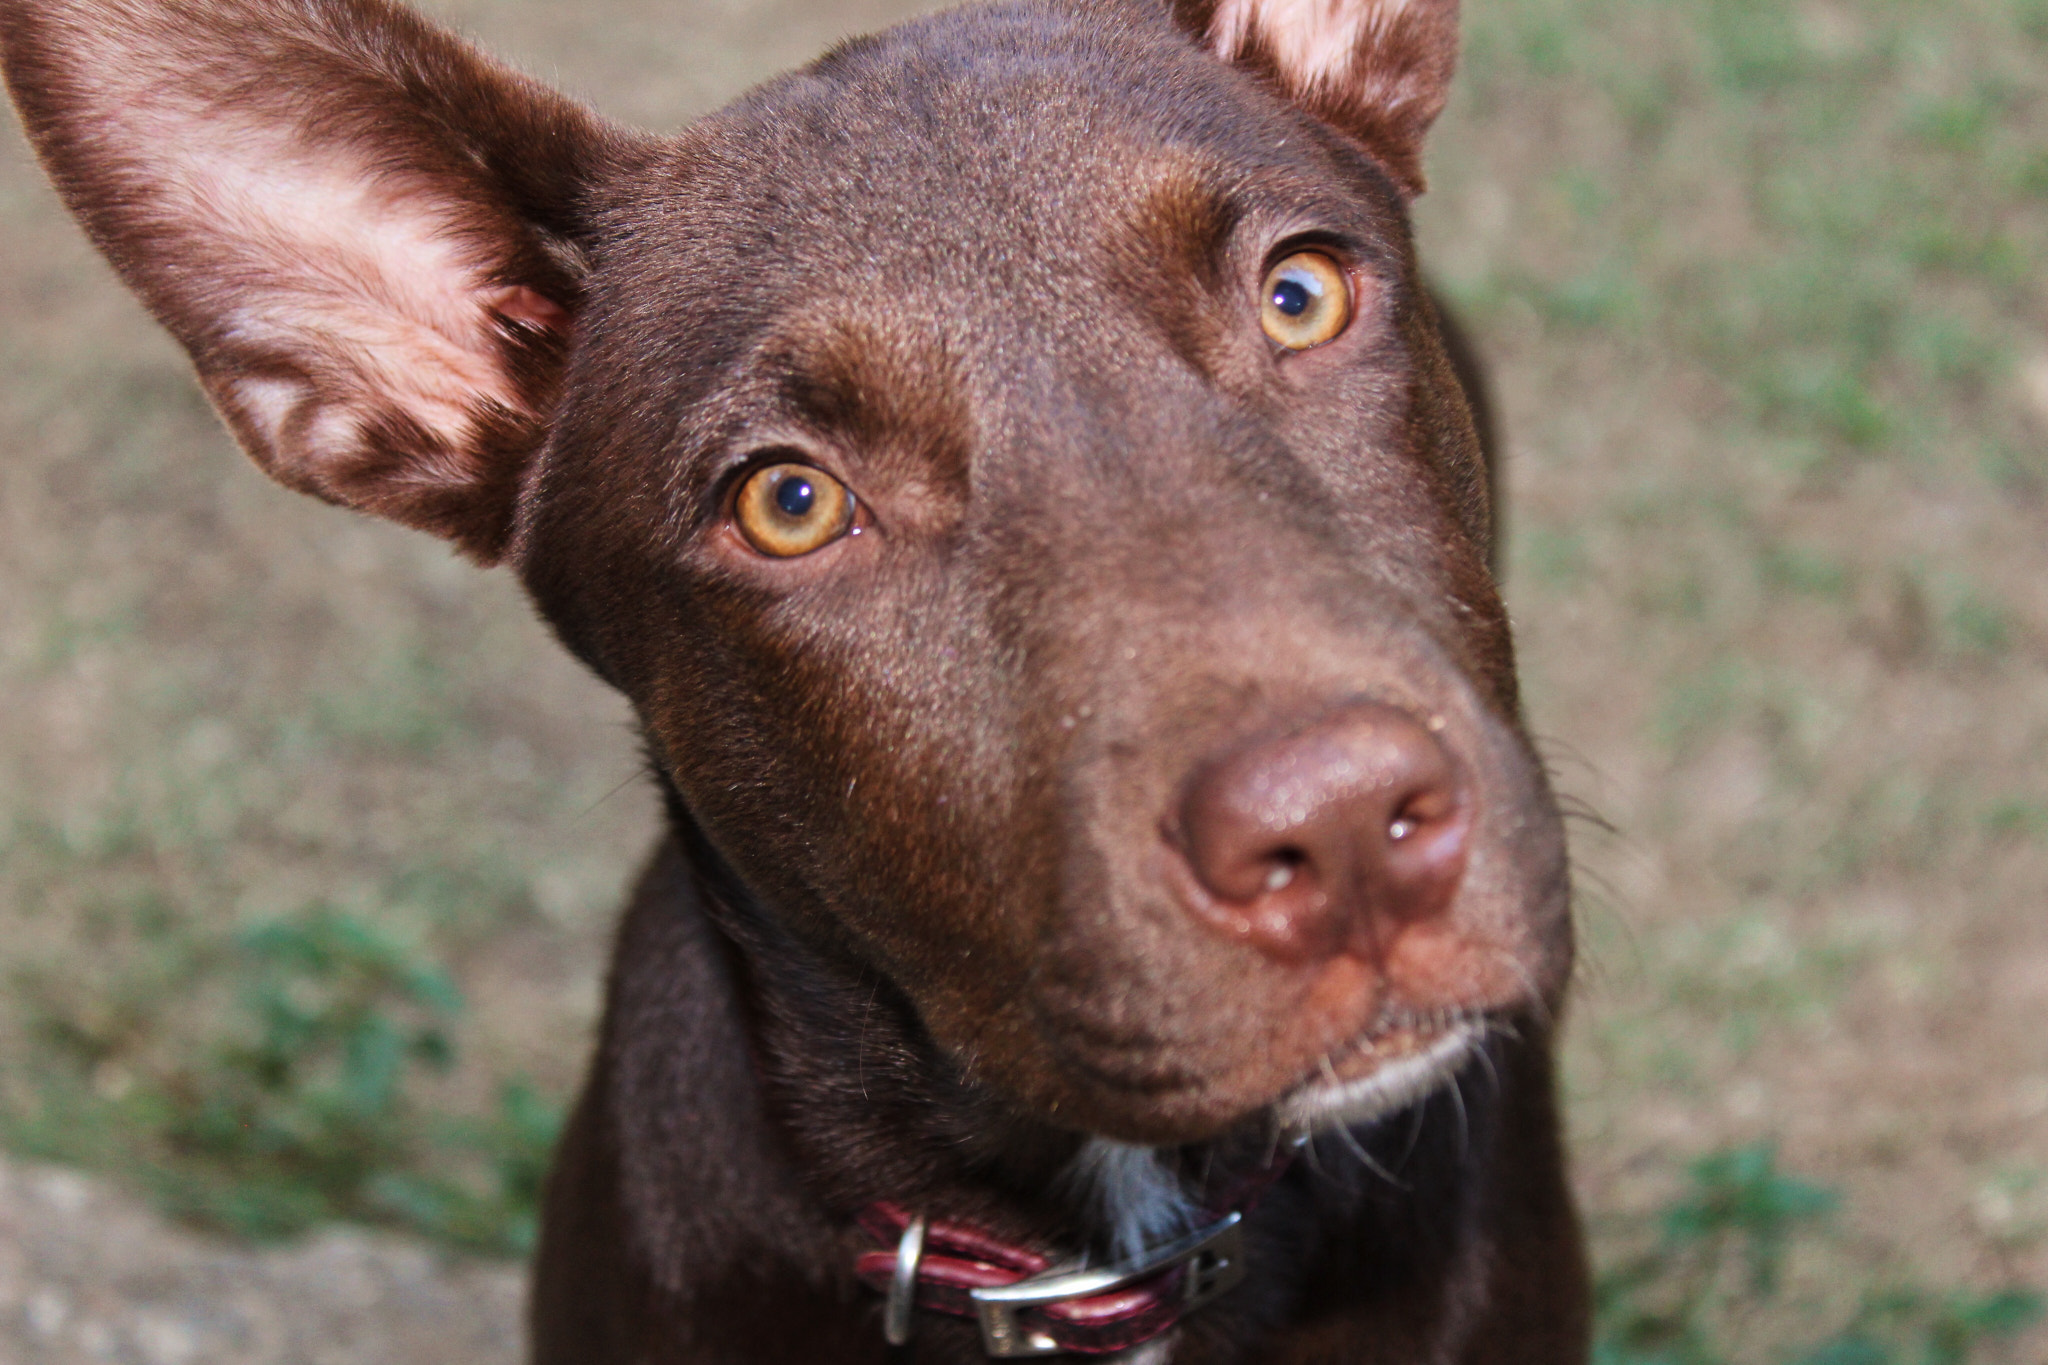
(89, 1276)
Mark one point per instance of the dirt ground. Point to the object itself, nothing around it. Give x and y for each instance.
(1796, 654)
(88, 1275)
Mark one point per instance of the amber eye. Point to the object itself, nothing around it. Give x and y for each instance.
(787, 510)
(1305, 301)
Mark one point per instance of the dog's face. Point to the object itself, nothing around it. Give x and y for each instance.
(1010, 465)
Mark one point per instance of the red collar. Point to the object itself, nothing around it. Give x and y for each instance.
(1028, 1306)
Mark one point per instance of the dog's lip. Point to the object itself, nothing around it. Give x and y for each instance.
(1385, 1074)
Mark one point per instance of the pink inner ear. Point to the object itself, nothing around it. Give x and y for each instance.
(518, 303)
(1312, 42)
(1376, 68)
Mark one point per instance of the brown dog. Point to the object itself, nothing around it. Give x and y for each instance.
(1013, 470)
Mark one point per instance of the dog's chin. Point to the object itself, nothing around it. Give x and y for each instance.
(1385, 1074)
(1386, 1071)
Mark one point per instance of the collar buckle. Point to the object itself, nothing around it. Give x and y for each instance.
(1212, 1259)
(896, 1322)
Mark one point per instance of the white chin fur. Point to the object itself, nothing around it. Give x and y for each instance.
(1138, 1202)
(1390, 1089)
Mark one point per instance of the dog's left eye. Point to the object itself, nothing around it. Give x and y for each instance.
(787, 510)
(1305, 301)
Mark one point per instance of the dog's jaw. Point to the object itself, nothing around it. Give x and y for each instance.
(1388, 1089)
(1137, 1201)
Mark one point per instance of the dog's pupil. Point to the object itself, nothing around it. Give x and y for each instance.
(795, 496)
(1292, 297)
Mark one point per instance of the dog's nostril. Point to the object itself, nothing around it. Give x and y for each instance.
(1329, 836)
(1282, 869)
(1420, 811)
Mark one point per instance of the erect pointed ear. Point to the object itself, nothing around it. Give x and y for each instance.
(367, 235)
(1378, 69)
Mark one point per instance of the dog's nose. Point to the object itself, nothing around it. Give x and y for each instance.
(1330, 839)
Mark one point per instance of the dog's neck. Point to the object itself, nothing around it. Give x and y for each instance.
(873, 1107)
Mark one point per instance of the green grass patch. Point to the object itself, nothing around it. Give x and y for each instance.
(2018, 817)
(1874, 238)
(1708, 1264)
(307, 1106)
(1808, 572)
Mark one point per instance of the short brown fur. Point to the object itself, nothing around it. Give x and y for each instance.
(951, 902)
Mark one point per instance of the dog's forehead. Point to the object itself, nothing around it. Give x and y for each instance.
(963, 241)
(895, 154)
(835, 232)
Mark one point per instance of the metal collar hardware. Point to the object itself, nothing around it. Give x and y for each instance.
(903, 1285)
(1213, 1258)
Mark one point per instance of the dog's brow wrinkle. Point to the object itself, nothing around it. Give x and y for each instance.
(882, 383)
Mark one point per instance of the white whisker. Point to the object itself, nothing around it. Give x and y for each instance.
(1358, 1150)
(1457, 1089)
(1392, 1087)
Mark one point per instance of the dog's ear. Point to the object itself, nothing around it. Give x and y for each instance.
(366, 234)
(1378, 69)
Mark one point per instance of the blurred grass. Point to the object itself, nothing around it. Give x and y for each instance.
(1835, 210)
(306, 1107)
(1689, 1285)
(1762, 284)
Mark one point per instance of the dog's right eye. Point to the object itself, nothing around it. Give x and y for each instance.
(787, 510)
(1305, 301)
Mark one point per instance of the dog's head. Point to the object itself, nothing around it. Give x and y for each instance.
(1011, 465)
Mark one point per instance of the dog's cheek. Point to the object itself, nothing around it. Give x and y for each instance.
(853, 776)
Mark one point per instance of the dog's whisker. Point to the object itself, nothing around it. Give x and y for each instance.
(1457, 1093)
(1417, 1116)
(1485, 1053)
(1276, 1133)
(1312, 1157)
(637, 775)
(1367, 1159)
(1532, 991)
(860, 1051)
